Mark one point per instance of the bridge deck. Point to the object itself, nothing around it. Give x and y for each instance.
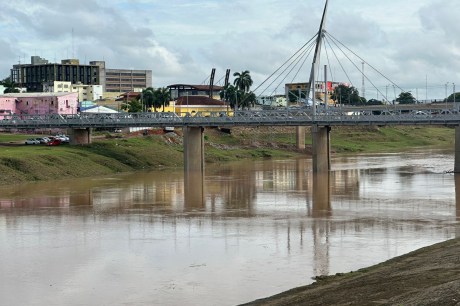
(286, 117)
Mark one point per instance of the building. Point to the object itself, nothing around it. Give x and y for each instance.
(57, 86)
(39, 103)
(201, 104)
(298, 90)
(85, 92)
(184, 90)
(88, 92)
(35, 75)
(274, 101)
(40, 73)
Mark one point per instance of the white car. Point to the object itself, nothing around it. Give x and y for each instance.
(32, 141)
(63, 138)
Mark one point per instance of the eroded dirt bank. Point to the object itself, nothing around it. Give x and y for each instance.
(429, 276)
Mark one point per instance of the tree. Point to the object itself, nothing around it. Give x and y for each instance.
(133, 106)
(147, 98)
(406, 98)
(162, 97)
(453, 97)
(374, 102)
(347, 95)
(10, 86)
(229, 95)
(243, 80)
(248, 99)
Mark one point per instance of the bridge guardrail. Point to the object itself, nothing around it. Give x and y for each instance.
(333, 117)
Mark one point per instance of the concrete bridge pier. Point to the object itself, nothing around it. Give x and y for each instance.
(321, 148)
(300, 137)
(79, 136)
(193, 150)
(457, 150)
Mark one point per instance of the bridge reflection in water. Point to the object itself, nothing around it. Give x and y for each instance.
(270, 220)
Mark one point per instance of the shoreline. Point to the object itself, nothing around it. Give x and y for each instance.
(427, 276)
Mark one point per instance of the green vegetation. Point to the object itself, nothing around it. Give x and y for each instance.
(108, 155)
(390, 139)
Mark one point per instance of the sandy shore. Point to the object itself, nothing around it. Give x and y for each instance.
(429, 276)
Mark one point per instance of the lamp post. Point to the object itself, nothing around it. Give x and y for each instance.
(453, 92)
(446, 93)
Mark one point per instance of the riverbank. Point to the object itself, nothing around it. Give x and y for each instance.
(113, 152)
(428, 276)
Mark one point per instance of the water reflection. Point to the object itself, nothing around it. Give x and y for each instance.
(194, 191)
(244, 230)
(457, 195)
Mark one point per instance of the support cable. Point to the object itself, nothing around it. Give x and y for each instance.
(296, 60)
(308, 42)
(335, 39)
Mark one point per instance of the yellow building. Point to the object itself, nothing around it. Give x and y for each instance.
(199, 104)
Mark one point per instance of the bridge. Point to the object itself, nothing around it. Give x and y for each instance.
(320, 118)
(331, 116)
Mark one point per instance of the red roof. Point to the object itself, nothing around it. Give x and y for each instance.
(198, 100)
(128, 95)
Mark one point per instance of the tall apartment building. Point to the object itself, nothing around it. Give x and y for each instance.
(40, 72)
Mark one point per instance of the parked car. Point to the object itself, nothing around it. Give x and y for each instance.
(63, 138)
(32, 141)
(43, 140)
(54, 142)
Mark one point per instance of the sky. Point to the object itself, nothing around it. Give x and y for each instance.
(409, 45)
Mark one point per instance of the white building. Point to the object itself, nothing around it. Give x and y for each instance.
(85, 92)
(274, 101)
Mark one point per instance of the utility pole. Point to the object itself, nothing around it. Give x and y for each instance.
(453, 92)
(363, 88)
(325, 87)
(386, 93)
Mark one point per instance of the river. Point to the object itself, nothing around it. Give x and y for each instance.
(245, 231)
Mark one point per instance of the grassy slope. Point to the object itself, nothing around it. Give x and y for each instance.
(105, 156)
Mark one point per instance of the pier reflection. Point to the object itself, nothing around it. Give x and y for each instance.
(194, 191)
(321, 195)
(457, 196)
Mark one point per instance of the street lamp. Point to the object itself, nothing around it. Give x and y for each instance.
(446, 94)
(453, 92)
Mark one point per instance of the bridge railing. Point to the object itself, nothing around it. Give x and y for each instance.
(286, 117)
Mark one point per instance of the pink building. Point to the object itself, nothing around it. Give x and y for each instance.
(39, 103)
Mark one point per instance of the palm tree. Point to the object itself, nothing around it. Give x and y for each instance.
(162, 97)
(147, 97)
(243, 80)
(10, 86)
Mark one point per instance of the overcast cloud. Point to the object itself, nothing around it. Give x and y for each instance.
(413, 42)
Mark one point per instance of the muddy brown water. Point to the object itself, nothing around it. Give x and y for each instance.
(244, 231)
